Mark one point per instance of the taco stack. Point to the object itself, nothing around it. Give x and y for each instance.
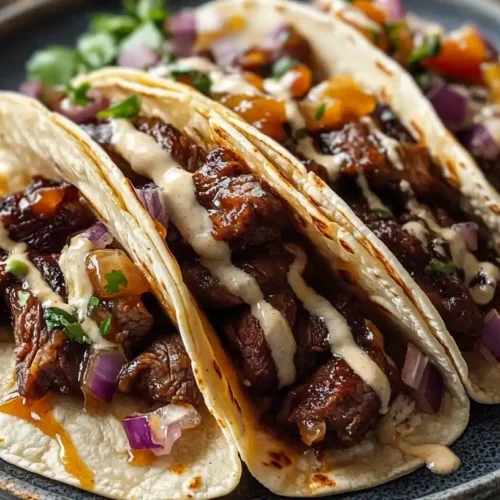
(351, 131)
(99, 388)
(314, 339)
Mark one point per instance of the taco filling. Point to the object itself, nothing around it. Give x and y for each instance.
(459, 71)
(319, 372)
(84, 319)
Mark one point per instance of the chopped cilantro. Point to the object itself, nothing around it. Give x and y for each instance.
(119, 26)
(54, 65)
(283, 65)
(430, 47)
(320, 111)
(439, 266)
(382, 213)
(125, 109)
(151, 10)
(301, 133)
(78, 95)
(105, 327)
(17, 268)
(114, 280)
(392, 29)
(97, 49)
(200, 81)
(58, 319)
(22, 297)
(146, 34)
(93, 303)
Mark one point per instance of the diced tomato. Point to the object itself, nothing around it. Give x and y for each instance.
(46, 201)
(491, 75)
(461, 55)
(298, 80)
(254, 79)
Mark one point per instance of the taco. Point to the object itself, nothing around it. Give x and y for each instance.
(459, 71)
(99, 390)
(352, 123)
(313, 337)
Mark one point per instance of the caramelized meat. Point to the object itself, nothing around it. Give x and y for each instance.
(161, 374)
(334, 401)
(46, 360)
(44, 215)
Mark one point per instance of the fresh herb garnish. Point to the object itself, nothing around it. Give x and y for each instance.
(97, 49)
(105, 326)
(54, 65)
(431, 46)
(147, 10)
(22, 297)
(301, 133)
(125, 109)
(283, 65)
(392, 31)
(200, 81)
(114, 280)
(320, 111)
(78, 95)
(382, 213)
(438, 266)
(93, 303)
(58, 319)
(147, 34)
(116, 25)
(17, 268)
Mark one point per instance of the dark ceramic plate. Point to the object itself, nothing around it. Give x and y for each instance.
(479, 447)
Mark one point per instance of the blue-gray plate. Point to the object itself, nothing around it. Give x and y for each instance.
(478, 448)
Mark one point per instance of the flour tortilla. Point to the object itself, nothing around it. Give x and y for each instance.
(382, 76)
(271, 461)
(204, 462)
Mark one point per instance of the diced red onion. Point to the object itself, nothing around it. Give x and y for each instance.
(468, 231)
(480, 142)
(429, 395)
(82, 114)
(140, 56)
(393, 8)
(101, 373)
(273, 39)
(182, 28)
(414, 367)
(99, 235)
(491, 333)
(31, 89)
(159, 430)
(451, 105)
(152, 199)
(226, 49)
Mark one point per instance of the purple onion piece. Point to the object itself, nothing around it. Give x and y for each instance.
(491, 333)
(451, 105)
(429, 395)
(393, 8)
(31, 89)
(140, 56)
(101, 373)
(99, 235)
(468, 231)
(182, 28)
(414, 367)
(152, 198)
(480, 143)
(139, 434)
(226, 49)
(82, 114)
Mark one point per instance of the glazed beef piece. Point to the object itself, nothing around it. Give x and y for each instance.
(46, 360)
(334, 402)
(44, 215)
(161, 374)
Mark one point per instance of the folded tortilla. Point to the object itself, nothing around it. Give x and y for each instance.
(204, 462)
(282, 467)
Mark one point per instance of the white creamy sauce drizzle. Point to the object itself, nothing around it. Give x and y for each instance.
(481, 293)
(374, 202)
(389, 145)
(73, 265)
(194, 223)
(438, 458)
(417, 229)
(353, 15)
(340, 337)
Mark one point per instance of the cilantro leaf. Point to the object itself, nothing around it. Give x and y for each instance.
(382, 213)
(59, 319)
(431, 46)
(320, 111)
(93, 303)
(22, 297)
(438, 266)
(114, 280)
(200, 81)
(147, 34)
(97, 49)
(283, 65)
(105, 326)
(54, 65)
(151, 10)
(119, 26)
(125, 109)
(301, 133)
(78, 95)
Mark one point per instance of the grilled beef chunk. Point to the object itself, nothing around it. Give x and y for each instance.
(46, 360)
(333, 402)
(161, 374)
(44, 215)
